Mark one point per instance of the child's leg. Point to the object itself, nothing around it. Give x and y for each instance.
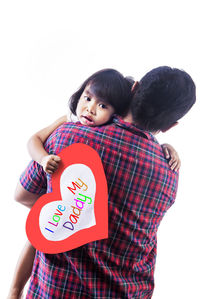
(22, 272)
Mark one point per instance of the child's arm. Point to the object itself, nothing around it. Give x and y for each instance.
(22, 272)
(36, 147)
(172, 156)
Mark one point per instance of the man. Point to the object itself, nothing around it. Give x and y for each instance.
(141, 189)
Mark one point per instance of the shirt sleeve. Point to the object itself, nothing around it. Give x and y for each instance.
(33, 179)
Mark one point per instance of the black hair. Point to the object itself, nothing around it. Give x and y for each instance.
(162, 96)
(109, 85)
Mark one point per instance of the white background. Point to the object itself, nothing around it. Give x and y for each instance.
(47, 49)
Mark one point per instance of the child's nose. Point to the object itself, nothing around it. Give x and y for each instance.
(91, 107)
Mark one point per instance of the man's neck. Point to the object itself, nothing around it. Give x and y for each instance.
(129, 118)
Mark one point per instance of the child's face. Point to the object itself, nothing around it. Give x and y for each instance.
(92, 111)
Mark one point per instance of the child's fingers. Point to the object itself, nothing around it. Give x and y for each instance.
(52, 163)
(171, 161)
(178, 165)
(49, 171)
(56, 158)
(174, 157)
(166, 152)
(51, 167)
(173, 165)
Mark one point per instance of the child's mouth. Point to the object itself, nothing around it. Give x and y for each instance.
(88, 120)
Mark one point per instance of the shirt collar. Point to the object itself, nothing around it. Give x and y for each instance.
(118, 121)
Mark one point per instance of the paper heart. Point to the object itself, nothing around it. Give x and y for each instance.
(76, 212)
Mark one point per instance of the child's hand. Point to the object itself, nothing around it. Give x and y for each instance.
(50, 163)
(172, 156)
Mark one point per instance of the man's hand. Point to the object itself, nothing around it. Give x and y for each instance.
(50, 163)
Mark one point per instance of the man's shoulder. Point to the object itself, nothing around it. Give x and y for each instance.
(72, 132)
(74, 127)
(118, 135)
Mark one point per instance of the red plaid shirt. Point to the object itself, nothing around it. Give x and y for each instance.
(141, 189)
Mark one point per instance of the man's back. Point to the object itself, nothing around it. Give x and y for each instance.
(141, 188)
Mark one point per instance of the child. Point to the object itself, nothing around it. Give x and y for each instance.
(99, 97)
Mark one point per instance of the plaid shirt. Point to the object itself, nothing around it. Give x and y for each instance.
(141, 188)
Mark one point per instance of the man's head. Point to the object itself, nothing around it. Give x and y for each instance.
(162, 97)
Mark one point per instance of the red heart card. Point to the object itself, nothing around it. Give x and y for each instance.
(76, 212)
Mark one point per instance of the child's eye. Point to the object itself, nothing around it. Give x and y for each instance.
(103, 106)
(87, 98)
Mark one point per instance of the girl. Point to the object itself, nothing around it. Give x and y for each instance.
(99, 97)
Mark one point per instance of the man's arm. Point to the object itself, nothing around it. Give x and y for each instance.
(25, 197)
(33, 181)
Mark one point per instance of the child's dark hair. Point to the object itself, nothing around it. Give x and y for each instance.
(162, 97)
(109, 85)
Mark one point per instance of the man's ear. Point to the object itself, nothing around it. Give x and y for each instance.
(133, 88)
(173, 125)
